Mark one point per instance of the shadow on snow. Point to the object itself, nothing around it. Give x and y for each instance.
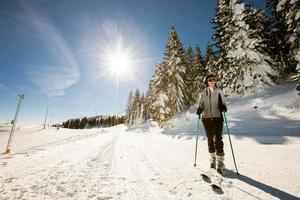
(262, 186)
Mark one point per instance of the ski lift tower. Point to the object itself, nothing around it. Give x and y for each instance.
(21, 97)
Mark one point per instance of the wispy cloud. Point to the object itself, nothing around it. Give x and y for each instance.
(3, 87)
(51, 79)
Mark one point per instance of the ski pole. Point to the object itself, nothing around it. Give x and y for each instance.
(196, 149)
(237, 172)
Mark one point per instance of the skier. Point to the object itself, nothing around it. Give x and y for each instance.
(211, 104)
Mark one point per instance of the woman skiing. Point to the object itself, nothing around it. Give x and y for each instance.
(211, 104)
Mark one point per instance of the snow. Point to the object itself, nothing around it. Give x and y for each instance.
(297, 17)
(280, 5)
(250, 67)
(162, 98)
(292, 2)
(149, 162)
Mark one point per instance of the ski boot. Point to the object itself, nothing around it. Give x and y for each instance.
(220, 164)
(212, 161)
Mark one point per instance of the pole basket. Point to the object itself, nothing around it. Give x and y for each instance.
(7, 151)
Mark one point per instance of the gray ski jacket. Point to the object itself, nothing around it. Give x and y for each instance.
(208, 102)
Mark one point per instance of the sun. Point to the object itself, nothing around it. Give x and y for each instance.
(120, 60)
(119, 63)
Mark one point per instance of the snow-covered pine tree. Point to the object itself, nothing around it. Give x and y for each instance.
(146, 112)
(222, 36)
(136, 106)
(189, 76)
(210, 60)
(175, 69)
(142, 109)
(157, 97)
(92, 122)
(250, 67)
(198, 74)
(189, 57)
(261, 26)
(161, 111)
(293, 23)
(278, 43)
(156, 82)
(129, 108)
(83, 122)
(76, 124)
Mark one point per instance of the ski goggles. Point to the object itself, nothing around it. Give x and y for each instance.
(211, 79)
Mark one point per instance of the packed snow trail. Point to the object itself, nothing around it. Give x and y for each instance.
(59, 170)
(98, 166)
(117, 164)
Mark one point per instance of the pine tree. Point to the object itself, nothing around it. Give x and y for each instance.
(136, 109)
(71, 124)
(190, 75)
(64, 124)
(157, 94)
(175, 69)
(129, 108)
(210, 60)
(279, 45)
(198, 74)
(113, 120)
(147, 104)
(160, 108)
(142, 108)
(76, 124)
(92, 122)
(83, 123)
(293, 24)
(261, 27)
(156, 83)
(248, 66)
(189, 57)
(222, 36)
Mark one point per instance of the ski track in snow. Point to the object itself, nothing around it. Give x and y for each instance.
(104, 166)
(58, 171)
(114, 165)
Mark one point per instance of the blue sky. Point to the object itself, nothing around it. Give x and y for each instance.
(54, 52)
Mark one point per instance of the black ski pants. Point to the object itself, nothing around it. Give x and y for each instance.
(214, 130)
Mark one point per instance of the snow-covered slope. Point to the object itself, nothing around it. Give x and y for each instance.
(273, 112)
(148, 162)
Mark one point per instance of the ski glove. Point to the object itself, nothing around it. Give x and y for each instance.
(223, 107)
(199, 111)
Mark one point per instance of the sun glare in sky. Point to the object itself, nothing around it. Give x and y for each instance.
(119, 63)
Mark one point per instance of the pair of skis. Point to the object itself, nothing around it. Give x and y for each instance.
(214, 179)
(215, 182)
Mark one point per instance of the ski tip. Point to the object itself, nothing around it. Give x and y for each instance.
(215, 186)
(217, 189)
(204, 176)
